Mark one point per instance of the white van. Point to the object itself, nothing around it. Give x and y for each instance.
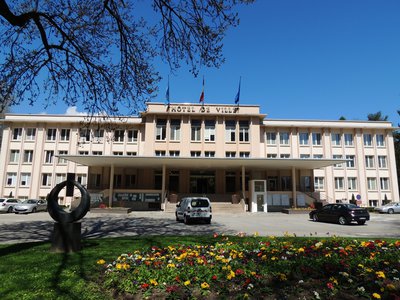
(194, 208)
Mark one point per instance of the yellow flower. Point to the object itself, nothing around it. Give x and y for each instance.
(205, 285)
(153, 282)
(380, 274)
(118, 266)
(376, 296)
(171, 265)
(187, 282)
(300, 250)
(230, 275)
(101, 262)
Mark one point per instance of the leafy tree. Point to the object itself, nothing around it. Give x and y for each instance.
(102, 53)
(396, 138)
(377, 117)
(342, 118)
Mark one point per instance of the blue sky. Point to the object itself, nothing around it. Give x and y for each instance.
(307, 59)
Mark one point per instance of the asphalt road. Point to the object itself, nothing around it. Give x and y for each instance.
(39, 226)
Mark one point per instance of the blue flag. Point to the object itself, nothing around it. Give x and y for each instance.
(167, 93)
(238, 93)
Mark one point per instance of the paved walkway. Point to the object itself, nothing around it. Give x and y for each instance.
(39, 226)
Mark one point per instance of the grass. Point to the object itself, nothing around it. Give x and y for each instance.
(213, 267)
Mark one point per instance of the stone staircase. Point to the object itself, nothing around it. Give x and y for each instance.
(217, 207)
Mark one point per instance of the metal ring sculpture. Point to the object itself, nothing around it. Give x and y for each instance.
(61, 216)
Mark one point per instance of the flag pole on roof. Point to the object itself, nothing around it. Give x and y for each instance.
(202, 94)
(237, 98)
(167, 94)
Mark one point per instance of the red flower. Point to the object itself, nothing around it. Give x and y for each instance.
(330, 285)
(239, 272)
(177, 279)
(214, 277)
(144, 286)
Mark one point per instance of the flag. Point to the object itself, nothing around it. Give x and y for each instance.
(238, 93)
(167, 93)
(202, 94)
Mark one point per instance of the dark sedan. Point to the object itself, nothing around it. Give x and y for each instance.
(340, 213)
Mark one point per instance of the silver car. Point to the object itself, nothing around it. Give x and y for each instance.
(7, 204)
(30, 206)
(390, 208)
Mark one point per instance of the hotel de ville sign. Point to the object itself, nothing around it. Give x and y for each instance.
(202, 109)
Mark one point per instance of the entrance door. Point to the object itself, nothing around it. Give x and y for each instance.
(202, 182)
(260, 203)
(305, 183)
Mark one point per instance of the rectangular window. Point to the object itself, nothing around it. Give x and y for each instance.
(60, 178)
(371, 182)
(161, 128)
(175, 132)
(319, 183)
(209, 154)
(196, 130)
(230, 154)
(271, 138)
(130, 153)
(284, 138)
(244, 154)
(83, 152)
(61, 160)
(174, 153)
(339, 183)
(49, 154)
(130, 180)
(46, 179)
(11, 179)
(336, 139)
(369, 161)
(318, 156)
(303, 136)
(243, 131)
(348, 139)
(304, 156)
(119, 135)
(30, 134)
(352, 183)
(230, 128)
(117, 180)
(384, 183)
(338, 157)
(118, 153)
(132, 136)
(14, 156)
(17, 134)
(65, 134)
(97, 152)
(316, 139)
(209, 131)
(195, 153)
(98, 135)
(382, 163)
(95, 180)
(350, 161)
(51, 134)
(160, 153)
(272, 155)
(380, 140)
(28, 156)
(81, 178)
(367, 139)
(84, 135)
(25, 179)
(285, 156)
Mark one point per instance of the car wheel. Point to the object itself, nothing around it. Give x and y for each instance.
(342, 220)
(361, 222)
(208, 221)
(391, 211)
(185, 219)
(176, 217)
(34, 210)
(315, 218)
(10, 209)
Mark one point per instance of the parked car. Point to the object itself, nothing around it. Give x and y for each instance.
(390, 208)
(30, 206)
(194, 208)
(340, 213)
(7, 204)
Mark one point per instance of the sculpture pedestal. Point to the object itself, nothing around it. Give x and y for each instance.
(66, 237)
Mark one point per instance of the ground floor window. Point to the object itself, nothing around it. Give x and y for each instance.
(373, 203)
(230, 182)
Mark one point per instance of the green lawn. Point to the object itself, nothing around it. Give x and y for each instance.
(195, 267)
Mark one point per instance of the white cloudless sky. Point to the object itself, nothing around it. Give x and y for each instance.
(307, 59)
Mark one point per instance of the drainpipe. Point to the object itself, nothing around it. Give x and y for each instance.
(294, 187)
(110, 193)
(164, 168)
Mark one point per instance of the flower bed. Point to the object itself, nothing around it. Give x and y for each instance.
(256, 268)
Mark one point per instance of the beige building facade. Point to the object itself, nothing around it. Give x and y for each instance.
(171, 151)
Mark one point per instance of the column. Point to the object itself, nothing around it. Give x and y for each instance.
(294, 187)
(110, 193)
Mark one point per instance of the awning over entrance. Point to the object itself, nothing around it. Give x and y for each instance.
(200, 162)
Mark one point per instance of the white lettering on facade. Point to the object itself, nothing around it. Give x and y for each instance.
(202, 109)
